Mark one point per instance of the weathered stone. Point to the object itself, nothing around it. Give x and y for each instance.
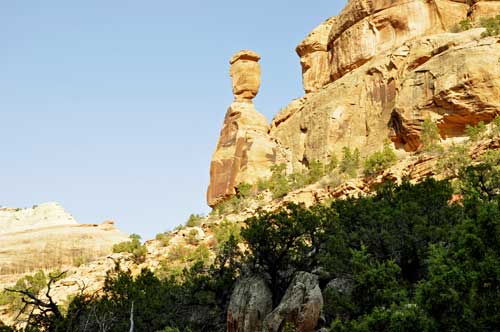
(48, 237)
(251, 301)
(485, 9)
(245, 75)
(455, 86)
(314, 57)
(366, 28)
(453, 78)
(245, 152)
(301, 305)
(388, 27)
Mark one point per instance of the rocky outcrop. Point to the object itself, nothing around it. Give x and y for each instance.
(244, 151)
(301, 305)
(251, 302)
(314, 56)
(245, 75)
(366, 28)
(47, 237)
(453, 79)
(484, 8)
(374, 72)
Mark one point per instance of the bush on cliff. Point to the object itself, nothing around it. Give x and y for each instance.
(379, 161)
(134, 247)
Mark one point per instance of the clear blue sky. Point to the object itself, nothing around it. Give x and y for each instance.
(113, 108)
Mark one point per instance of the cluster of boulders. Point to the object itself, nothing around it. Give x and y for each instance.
(251, 310)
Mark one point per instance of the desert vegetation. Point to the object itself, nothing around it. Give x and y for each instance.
(411, 259)
(491, 24)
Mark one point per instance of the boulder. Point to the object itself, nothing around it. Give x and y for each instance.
(251, 301)
(301, 305)
(245, 75)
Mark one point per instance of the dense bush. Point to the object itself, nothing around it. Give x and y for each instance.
(379, 161)
(195, 220)
(134, 247)
(164, 238)
(475, 133)
(430, 137)
(492, 26)
(409, 260)
(350, 162)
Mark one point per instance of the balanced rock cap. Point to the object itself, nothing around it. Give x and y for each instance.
(245, 55)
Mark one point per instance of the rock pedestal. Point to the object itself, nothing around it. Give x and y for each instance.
(244, 152)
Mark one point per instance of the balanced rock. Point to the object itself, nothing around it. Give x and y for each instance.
(301, 305)
(244, 152)
(251, 302)
(245, 75)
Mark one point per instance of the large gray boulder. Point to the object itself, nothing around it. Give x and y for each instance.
(251, 301)
(301, 305)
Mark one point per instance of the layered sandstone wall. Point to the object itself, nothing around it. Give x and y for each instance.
(48, 237)
(366, 28)
(372, 73)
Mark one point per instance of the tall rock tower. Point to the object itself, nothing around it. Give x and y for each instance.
(244, 151)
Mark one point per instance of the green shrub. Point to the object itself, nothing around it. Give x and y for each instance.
(134, 247)
(462, 26)
(80, 260)
(195, 220)
(475, 133)
(170, 329)
(492, 26)
(192, 237)
(430, 137)
(200, 254)
(333, 163)
(225, 230)
(455, 160)
(244, 192)
(379, 161)
(350, 162)
(278, 183)
(164, 238)
(178, 252)
(495, 129)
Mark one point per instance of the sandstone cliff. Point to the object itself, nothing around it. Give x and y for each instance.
(373, 73)
(47, 237)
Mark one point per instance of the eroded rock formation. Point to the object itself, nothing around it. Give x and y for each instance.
(244, 151)
(373, 73)
(48, 237)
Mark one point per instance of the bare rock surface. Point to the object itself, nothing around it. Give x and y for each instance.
(244, 152)
(48, 237)
(301, 305)
(251, 302)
